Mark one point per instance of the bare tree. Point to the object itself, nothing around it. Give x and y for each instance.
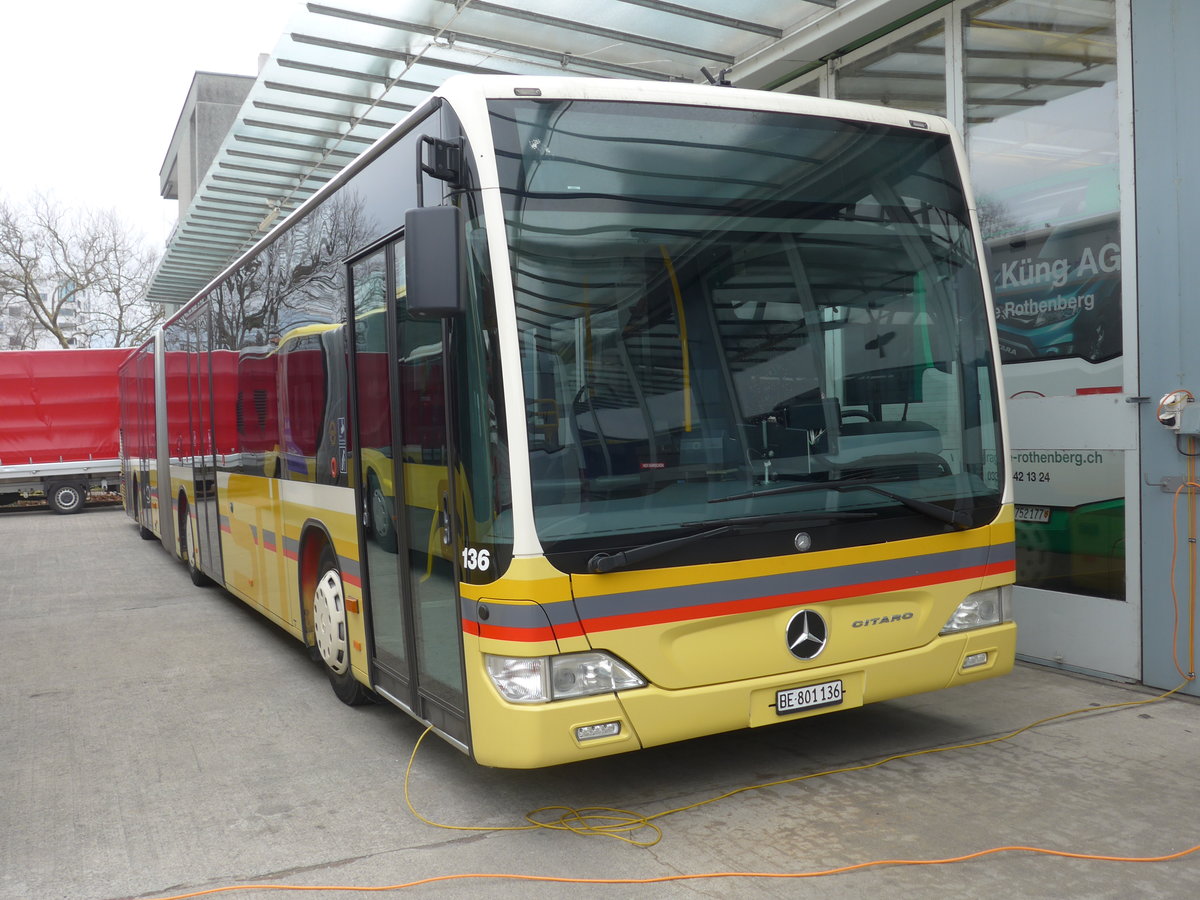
(16, 322)
(80, 275)
(119, 313)
(996, 218)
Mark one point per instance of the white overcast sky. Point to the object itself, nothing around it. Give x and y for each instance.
(90, 91)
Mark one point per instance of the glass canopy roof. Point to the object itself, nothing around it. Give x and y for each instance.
(341, 75)
(345, 71)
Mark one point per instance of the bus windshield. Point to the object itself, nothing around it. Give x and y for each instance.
(716, 303)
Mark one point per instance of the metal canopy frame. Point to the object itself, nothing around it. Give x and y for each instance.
(347, 70)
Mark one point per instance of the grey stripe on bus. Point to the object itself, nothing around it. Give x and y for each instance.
(349, 566)
(519, 615)
(660, 599)
(700, 595)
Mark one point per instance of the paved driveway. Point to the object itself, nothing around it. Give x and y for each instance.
(158, 739)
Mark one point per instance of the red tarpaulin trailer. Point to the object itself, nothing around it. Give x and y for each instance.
(58, 423)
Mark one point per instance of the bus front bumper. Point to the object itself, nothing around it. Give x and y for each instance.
(514, 736)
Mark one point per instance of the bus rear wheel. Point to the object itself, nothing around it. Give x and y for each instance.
(332, 632)
(140, 504)
(188, 544)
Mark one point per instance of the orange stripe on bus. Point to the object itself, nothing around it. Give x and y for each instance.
(502, 633)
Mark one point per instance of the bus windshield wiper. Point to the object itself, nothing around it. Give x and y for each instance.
(609, 562)
(955, 517)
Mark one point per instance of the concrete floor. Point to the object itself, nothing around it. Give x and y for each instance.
(158, 739)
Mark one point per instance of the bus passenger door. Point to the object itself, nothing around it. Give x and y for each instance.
(204, 472)
(145, 493)
(410, 583)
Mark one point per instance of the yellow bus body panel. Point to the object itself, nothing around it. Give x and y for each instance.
(713, 673)
(707, 647)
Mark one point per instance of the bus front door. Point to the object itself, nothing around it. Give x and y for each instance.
(410, 585)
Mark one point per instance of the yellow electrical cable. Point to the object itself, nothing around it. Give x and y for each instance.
(597, 821)
(622, 822)
(616, 823)
(589, 821)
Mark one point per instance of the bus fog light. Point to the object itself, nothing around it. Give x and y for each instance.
(979, 610)
(582, 674)
(591, 732)
(975, 659)
(520, 679)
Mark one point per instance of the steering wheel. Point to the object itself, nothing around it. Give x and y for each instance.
(857, 413)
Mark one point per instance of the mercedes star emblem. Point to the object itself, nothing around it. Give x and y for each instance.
(806, 634)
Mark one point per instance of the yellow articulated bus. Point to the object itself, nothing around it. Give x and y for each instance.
(578, 416)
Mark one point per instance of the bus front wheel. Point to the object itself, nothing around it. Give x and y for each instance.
(332, 631)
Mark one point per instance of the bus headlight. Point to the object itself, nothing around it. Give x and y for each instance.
(582, 674)
(540, 679)
(983, 608)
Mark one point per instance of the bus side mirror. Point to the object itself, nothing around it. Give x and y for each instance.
(433, 261)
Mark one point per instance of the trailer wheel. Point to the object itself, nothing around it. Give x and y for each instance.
(332, 633)
(66, 497)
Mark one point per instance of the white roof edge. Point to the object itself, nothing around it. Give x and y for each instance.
(467, 88)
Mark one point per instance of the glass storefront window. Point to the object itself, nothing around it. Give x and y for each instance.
(1070, 509)
(1041, 127)
(909, 72)
(1040, 114)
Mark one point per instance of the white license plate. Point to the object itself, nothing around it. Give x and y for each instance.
(795, 700)
(1031, 513)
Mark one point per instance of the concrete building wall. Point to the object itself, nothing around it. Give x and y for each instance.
(209, 111)
(1166, 135)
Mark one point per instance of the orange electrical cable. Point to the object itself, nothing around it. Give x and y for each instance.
(697, 876)
(1172, 399)
(614, 825)
(1191, 477)
(1190, 674)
